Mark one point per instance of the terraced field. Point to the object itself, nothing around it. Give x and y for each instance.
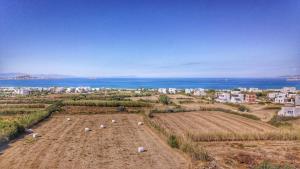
(64, 144)
(180, 123)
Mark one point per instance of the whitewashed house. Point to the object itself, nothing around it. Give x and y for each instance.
(22, 91)
(162, 90)
(242, 89)
(280, 98)
(288, 89)
(172, 90)
(289, 111)
(254, 90)
(59, 90)
(188, 91)
(199, 92)
(272, 95)
(237, 98)
(223, 97)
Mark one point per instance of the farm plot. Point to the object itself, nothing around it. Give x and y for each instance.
(205, 122)
(64, 144)
(247, 154)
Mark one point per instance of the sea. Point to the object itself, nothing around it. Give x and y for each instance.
(134, 83)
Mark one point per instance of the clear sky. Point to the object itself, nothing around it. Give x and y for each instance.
(153, 38)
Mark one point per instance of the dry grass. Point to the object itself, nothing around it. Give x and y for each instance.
(227, 136)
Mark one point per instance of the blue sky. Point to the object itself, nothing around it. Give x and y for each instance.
(204, 38)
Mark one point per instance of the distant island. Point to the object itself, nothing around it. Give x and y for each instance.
(292, 78)
(24, 76)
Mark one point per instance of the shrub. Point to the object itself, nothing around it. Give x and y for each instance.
(173, 142)
(164, 99)
(278, 121)
(121, 109)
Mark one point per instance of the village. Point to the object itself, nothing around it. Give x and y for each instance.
(287, 97)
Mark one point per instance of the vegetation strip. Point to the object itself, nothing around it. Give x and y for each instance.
(105, 103)
(10, 129)
(230, 136)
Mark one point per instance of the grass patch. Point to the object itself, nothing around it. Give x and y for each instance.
(281, 121)
(228, 136)
(164, 99)
(240, 107)
(105, 103)
(173, 142)
(249, 116)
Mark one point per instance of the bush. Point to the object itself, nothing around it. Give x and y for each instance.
(173, 142)
(121, 109)
(164, 99)
(278, 121)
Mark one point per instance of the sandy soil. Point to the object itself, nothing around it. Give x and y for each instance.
(64, 144)
(202, 121)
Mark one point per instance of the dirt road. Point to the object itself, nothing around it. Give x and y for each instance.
(64, 144)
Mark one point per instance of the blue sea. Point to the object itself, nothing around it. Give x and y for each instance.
(207, 83)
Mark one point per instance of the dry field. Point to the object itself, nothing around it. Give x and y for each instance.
(64, 144)
(181, 123)
(245, 154)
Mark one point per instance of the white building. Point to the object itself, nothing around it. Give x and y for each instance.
(188, 91)
(254, 90)
(297, 100)
(289, 111)
(237, 98)
(162, 90)
(280, 98)
(70, 90)
(288, 89)
(22, 91)
(272, 95)
(172, 90)
(59, 90)
(199, 92)
(223, 97)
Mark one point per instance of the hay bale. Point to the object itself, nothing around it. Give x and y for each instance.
(35, 135)
(140, 123)
(87, 129)
(68, 119)
(141, 149)
(102, 126)
(29, 131)
(113, 121)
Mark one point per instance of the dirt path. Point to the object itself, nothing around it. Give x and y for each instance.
(64, 144)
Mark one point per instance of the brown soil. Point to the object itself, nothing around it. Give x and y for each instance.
(64, 144)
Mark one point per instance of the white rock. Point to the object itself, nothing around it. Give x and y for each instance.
(141, 149)
(35, 135)
(68, 119)
(140, 123)
(102, 126)
(29, 131)
(113, 121)
(86, 129)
